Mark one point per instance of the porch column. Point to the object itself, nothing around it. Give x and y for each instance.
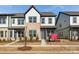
(13, 33)
(5, 35)
(17, 34)
(8, 34)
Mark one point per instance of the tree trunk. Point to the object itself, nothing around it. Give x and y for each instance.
(25, 41)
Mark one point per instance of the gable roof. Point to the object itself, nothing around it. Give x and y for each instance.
(30, 9)
(71, 13)
(22, 15)
(41, 13)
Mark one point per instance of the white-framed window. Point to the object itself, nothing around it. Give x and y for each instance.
(42, 20)
(20, 21)
(32, 19)
(2, 20)
(1, 33)
(32, 33)
(5, 33)
(49, 20)
(74, 19)
(13, 21)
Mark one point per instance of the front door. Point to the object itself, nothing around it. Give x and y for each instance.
(75, 35)
(43, 34)
(15, 34)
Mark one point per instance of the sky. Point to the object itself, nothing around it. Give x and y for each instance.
(41, 8)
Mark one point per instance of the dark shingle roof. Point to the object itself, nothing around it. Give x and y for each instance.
(5, 14)
(47, 14)
(72, 13)
(18, 15)
(13, 14)
(42, 14)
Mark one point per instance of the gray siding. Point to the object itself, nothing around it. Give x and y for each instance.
(63, 30)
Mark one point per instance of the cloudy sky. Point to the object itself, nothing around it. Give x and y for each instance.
(41, 8)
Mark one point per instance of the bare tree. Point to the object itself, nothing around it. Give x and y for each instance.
(25, 40)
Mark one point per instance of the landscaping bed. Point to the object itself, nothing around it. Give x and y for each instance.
(61, 42)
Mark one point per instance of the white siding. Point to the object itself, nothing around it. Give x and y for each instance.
(71, 21)
(5, 25)
(32, 12)
(47, 20)
(9, 21)
(16, 22)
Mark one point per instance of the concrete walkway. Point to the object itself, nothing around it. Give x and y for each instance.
(39, 52)
(10, 45)
(7, 45)
(40, 46)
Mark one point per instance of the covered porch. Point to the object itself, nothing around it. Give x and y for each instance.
(74, 33)
(46, 32)
(14, 34)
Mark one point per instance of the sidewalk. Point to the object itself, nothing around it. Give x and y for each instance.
(40, 46)
(39, 52)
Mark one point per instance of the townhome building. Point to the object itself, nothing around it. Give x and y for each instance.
(30, 23)
(68, 25)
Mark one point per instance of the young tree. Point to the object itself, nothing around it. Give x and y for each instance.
(25, 39)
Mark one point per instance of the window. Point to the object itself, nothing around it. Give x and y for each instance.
(32, 33)
(13, 21)
(50, 21)
(60, 25)
(10, 33)
(75, 33)
(15, 34)
(43, 21)
(1, 33)
(32, 19)
(5, 33)
(2, 20)
(74, 19)
(20, 21)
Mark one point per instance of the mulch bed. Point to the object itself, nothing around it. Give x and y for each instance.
(24, 48)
